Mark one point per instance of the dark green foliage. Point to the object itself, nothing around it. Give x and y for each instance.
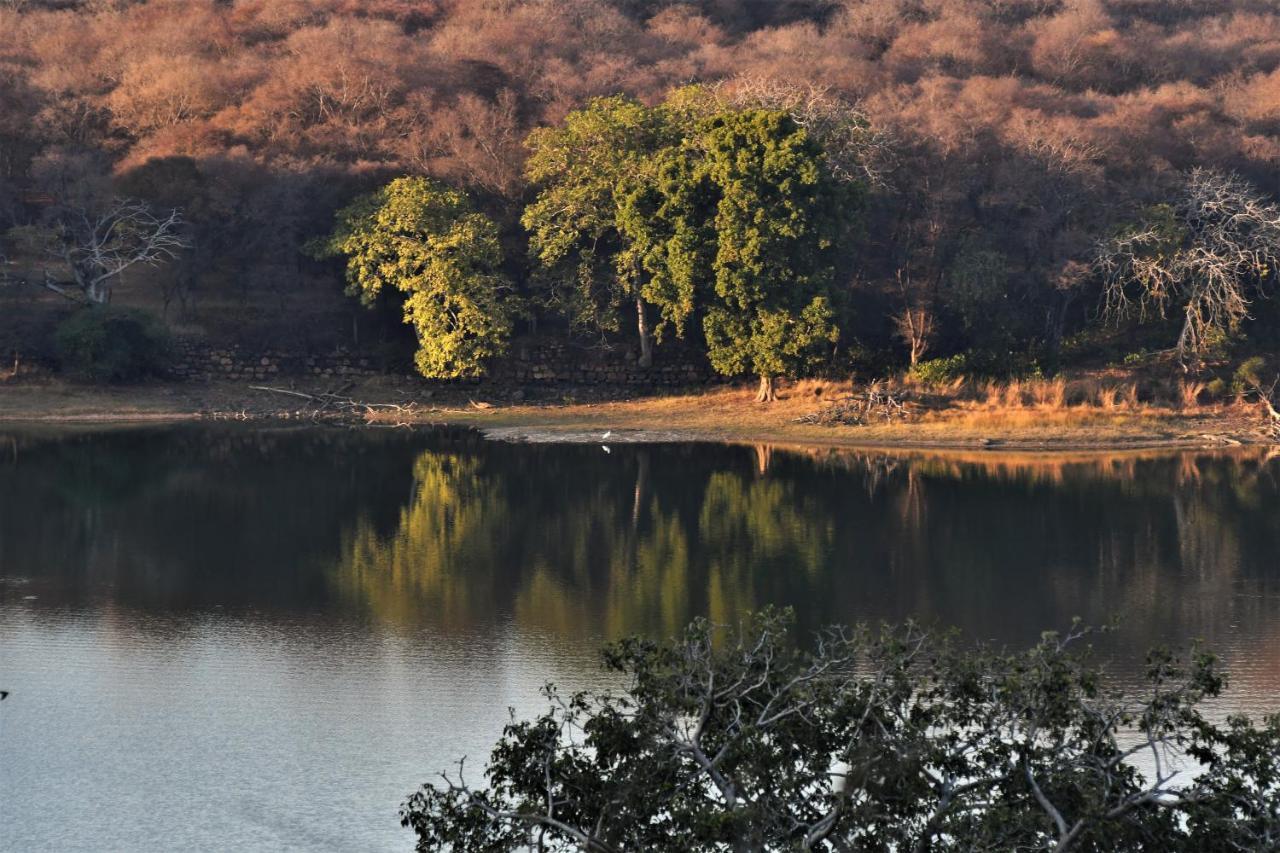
(104, 344)
(1249, 375)
(941, 371)
(870, 741)
(779, 219)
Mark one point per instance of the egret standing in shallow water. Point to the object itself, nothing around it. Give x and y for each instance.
(606, 434)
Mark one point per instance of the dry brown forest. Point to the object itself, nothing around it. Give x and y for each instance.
(1020, 132)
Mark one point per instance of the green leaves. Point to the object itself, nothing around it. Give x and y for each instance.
(426, 241)
(702, 210)
(697, 208)
(585, 169)
(778, 219)
(895, 739)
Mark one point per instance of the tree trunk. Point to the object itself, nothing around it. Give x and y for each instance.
(646, 342)
(642, 486)
(767, 393)
(764, 458)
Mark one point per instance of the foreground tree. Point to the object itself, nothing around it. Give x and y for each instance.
(426, 240)
(889, 741)
(1207, 256)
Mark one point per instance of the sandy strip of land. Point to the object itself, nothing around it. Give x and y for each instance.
(723, 414)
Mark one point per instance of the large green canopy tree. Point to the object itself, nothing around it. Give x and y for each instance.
(754, 216)
(698, 208)
(585, 169)
(428, 242)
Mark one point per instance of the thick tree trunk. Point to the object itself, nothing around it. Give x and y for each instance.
(768, 393)
(646, 342)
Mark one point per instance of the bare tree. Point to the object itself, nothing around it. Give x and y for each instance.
(914, 324)
(97, 246)
(854, 147)
(1268, 400)
(1208, 255)
(476, 139)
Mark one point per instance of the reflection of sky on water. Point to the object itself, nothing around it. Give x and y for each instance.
(132, 733)
(267, 638)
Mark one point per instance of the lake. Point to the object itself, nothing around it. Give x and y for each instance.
(265, 638)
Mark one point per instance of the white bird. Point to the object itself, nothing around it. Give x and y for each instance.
(605, 448)
(606, 435)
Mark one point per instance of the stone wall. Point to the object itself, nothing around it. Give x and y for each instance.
(541, 363)
(558, 363)
(201, 361)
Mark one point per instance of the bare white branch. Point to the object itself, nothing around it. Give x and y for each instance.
(1208, 256)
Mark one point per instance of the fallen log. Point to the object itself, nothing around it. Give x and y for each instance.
(283, 391)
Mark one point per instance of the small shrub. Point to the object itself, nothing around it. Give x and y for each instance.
(1136, 358)
(1189, 393)
(104, 344)
(1248, 374)
(1050, 393)
(1109, 397)
(1216, 388)
(939, 371)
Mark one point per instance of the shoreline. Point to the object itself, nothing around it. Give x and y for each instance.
(721, 414)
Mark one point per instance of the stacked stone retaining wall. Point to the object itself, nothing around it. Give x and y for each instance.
(543, 363)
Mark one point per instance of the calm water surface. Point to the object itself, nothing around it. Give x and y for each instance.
(265, 639)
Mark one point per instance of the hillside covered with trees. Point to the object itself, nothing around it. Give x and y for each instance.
(1025, 181)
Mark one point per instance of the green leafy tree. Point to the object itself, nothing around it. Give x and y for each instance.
(586, 170)
(753, 216)
(874, 741)
(427, 241)
(669, 222)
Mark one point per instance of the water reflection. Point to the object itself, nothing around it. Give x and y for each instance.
(372, 601)
(578, 544)
(445, 530)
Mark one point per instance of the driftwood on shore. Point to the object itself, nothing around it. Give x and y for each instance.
(1266, 395)
(876, 403)
(335, 403)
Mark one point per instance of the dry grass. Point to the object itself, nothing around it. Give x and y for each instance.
(1083, 396)
(1031, 415)
(1061, 405)
(1035, 414)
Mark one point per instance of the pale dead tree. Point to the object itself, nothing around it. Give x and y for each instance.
(98, 246)
(1267, 398)
(914, 324)
(854, 147)
(1207, 256)
(914, 327)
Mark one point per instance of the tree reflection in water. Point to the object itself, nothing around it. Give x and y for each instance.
(573, 544)
(328, 616)
(445, 532)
